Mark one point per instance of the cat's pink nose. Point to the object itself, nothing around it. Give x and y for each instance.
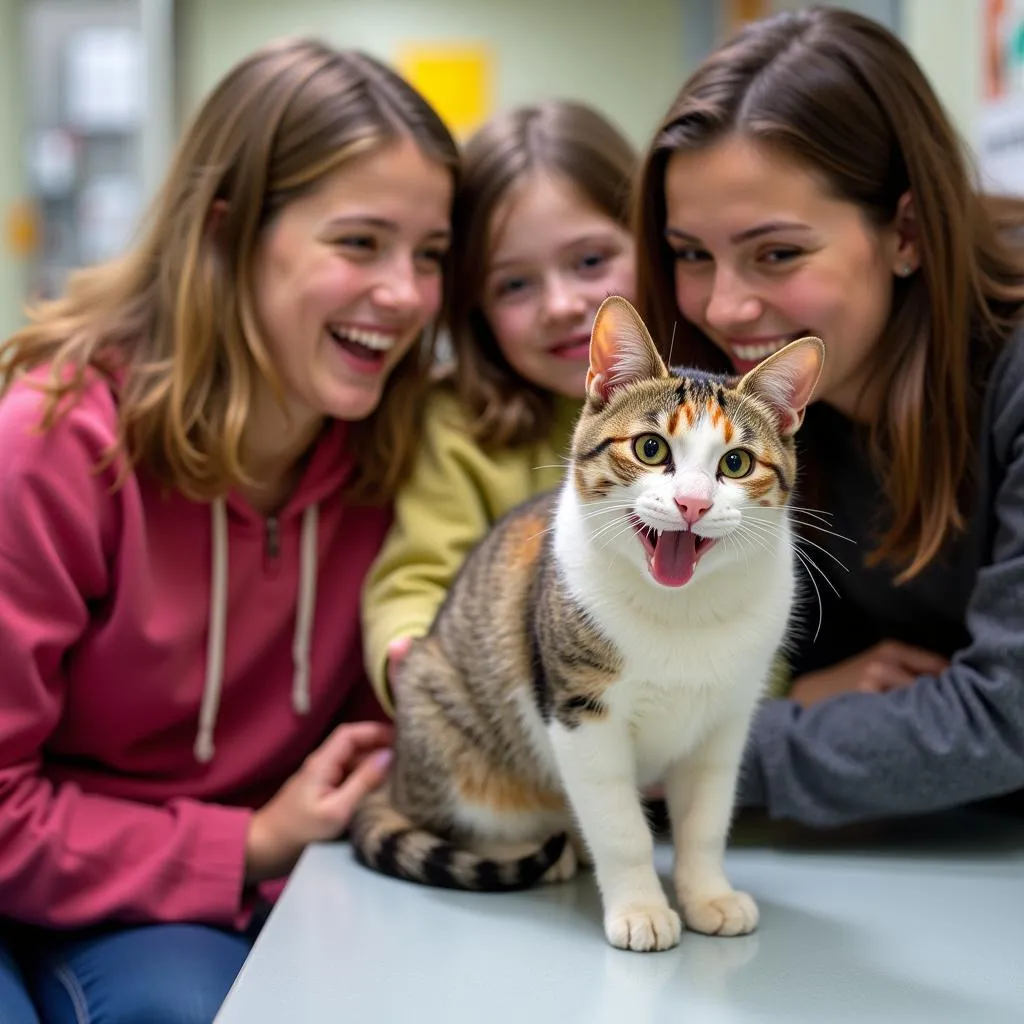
(693, 509)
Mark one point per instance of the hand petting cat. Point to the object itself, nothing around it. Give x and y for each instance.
(318, 801)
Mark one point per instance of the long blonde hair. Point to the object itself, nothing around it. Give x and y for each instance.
(174, 318)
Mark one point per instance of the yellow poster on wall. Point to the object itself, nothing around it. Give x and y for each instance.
(457, 79)
(741, 12)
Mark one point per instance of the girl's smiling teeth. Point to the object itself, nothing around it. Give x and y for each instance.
(752, 351)
(379, 341)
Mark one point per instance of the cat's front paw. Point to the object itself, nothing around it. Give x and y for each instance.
(643, 927)
(723, 913)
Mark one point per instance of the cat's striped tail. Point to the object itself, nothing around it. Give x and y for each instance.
(387, 841)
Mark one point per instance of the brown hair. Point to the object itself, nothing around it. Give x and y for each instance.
(564, 138)
(843, 97)
(176, 315)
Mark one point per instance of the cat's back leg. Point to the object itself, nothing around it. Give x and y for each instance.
(454, 766)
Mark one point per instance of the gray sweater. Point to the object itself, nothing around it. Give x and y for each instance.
(949, 739)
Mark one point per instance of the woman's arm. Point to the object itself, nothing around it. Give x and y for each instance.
(440, 513)
(948, 739)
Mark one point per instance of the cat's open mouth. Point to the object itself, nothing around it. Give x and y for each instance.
(672, 555)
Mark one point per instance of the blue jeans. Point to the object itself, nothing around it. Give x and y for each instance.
(158, 974)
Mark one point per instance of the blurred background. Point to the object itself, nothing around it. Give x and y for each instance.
(94, 92)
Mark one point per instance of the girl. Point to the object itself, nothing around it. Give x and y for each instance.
(807, 181)
(541, 239)
(194, 467)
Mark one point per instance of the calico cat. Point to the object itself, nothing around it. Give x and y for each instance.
(616, 632)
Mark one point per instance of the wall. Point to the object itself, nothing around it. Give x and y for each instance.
(625, 58)
(945, 37)
(12, 275)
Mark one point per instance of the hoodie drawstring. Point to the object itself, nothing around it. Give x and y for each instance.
(305, 610)
(304, 618)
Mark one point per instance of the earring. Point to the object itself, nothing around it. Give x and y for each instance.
(906, 270)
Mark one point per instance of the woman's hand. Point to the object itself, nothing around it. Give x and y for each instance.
(318, 801)
(889, 665)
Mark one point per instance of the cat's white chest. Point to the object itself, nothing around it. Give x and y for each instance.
(673, 705)
(665, 726)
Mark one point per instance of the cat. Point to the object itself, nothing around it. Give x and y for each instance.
(602, 637)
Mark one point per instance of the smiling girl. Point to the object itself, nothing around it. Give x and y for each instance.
(807, 181)
(200, 444)
(541, 239)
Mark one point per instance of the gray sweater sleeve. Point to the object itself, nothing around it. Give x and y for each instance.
(946, 740)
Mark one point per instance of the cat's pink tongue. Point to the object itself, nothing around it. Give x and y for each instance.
(675, 555)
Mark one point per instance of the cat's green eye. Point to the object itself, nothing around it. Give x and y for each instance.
(736, 464)
(651, 449)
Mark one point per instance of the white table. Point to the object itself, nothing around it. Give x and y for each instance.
(928, 929)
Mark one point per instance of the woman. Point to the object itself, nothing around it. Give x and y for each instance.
(200, 444)
(807, 181)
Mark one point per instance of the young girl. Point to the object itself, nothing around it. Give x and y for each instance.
(541, 239)
(194, 469)
(807, 181)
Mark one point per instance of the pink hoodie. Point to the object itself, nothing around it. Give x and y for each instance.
(164, 666)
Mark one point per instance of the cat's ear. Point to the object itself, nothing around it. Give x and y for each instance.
(786, 380)
(621, 350)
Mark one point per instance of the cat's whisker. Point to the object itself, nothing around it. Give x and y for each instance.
(817, 513)
(797, 540)
(822, 529)
(592, 513)
(753, 537)
(732, 538)
(623, 526)
(608, 541)
(800, 541)
(821, 572)
(765, 529)
(821, 607)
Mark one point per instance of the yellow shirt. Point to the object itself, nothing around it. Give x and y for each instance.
(456, 492)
